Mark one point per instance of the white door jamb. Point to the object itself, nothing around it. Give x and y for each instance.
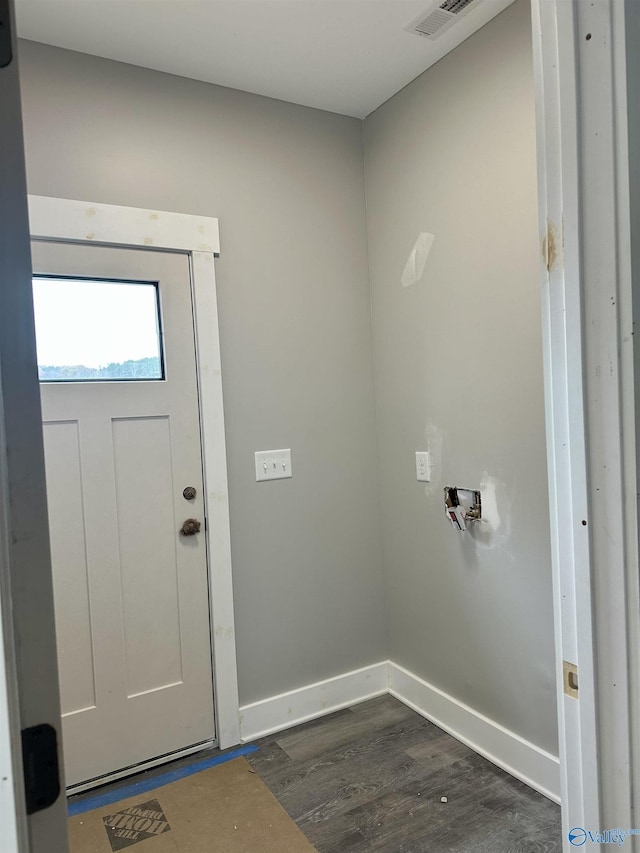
(583, 187)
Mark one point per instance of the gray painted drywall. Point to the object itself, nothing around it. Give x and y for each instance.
(458, 364)
(458, 367)
(287, 185)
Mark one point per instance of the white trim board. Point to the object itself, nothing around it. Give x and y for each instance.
(70, 221)
(517, 756)
(587, 125)
(314, 700)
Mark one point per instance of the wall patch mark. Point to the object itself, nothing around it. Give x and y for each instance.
(417, 260)
(550, 247)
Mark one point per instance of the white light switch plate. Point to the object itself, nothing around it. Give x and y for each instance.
(423, 466)
(273, 465)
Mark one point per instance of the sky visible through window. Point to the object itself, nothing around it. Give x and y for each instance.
(87, 330)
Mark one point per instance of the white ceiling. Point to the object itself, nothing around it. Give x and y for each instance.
(345, 56)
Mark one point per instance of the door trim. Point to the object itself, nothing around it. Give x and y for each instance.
(585, 100)
(71, 221)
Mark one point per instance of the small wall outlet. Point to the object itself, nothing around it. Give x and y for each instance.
(423, 466)
(273, 465)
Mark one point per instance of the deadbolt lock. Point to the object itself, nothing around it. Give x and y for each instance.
(190, 527)
(189, 493)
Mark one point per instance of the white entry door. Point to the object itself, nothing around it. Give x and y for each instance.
(123, 459)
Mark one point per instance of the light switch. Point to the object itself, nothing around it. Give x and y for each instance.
(423, 466)
(273, 465)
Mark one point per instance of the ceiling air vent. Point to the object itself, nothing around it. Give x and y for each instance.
(440, 18)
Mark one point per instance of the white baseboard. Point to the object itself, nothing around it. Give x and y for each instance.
(314, 700)
(522, 759)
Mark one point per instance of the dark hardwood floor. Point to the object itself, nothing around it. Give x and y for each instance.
(371, 778)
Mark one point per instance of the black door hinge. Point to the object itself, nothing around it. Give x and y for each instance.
(6, 53)
(41, 767)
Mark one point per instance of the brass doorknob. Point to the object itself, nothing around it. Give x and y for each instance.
(190, 527)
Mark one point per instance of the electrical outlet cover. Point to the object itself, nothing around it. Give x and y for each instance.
(273, 465)
(423, 466)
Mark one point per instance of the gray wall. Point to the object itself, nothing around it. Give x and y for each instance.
(287, 185)
(458, 368)
(458, 365)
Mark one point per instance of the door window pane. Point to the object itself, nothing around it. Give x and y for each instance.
(89, 330)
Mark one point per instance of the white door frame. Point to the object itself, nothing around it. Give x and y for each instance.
(587, 276)
(66, 220)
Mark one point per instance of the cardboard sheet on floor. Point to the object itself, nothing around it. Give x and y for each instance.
(227, 808)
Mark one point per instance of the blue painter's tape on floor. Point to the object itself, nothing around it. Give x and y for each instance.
(144, 785)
